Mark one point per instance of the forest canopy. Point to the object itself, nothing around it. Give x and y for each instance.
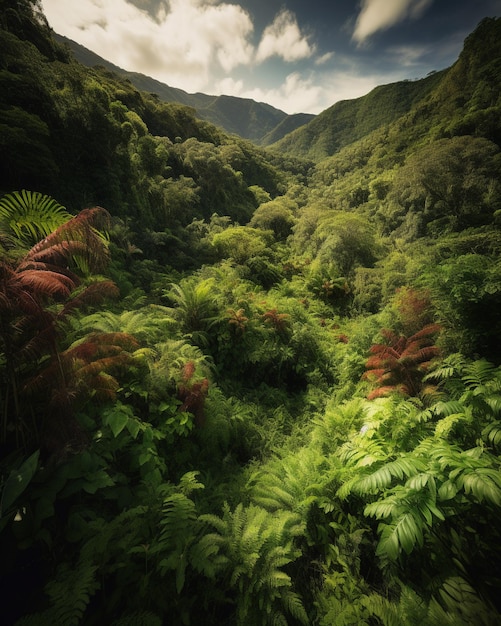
(248, 386)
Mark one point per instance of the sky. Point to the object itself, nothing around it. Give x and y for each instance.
(300, 56)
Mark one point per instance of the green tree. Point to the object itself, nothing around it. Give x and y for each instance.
(241, 243)
(451, 183)
(276, 215)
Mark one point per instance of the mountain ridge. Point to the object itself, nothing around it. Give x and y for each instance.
(457, 94)
(242, 116)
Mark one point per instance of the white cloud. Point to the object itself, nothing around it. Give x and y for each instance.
(313, 94)
(283, 38)
(295, 95)
(180, 45)
(324, 58)
(383, 14)
(408, 56)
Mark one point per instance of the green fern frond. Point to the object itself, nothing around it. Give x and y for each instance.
(409, 610)
(462, 602)
(363, 452)
(385, 610)
(69, 594)
(189, 483)
(479, 373)
(28, 216)
(293, 605)
(253, 547)
(401, 535)
(444, 409)
(483, 483)
(383, 476)
(288, 484)
(448, 424)
(382, 509)
(492, 433)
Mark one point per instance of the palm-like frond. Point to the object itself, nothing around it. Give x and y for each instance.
(28, 216)
(87, 367)
(195, 305)
(401, 362)
(147, 324)
(78, 238)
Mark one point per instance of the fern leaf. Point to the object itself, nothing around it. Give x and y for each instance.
(388, 612)
(483, 483)
(479, 373)
(71, 592)
(402, 534)
(383, 476)
(492, 433)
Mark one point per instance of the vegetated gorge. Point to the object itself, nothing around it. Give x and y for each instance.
(246, 385)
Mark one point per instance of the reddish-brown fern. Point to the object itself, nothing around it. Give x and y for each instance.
(398, 365)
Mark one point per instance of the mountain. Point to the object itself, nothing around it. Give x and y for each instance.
(349, 120)
(252, 120)
(463, 99)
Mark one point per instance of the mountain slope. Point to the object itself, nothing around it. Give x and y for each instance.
(463, 99)
(349, 120)
(247, 118)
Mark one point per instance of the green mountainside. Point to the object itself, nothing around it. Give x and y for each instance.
(349, 120)
(247, 118)
(466, 95)
(247, 386)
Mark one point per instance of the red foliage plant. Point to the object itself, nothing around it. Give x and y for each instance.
(279, 321)
(399, 364)
(192, 394)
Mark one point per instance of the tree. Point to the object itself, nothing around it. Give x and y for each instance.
(451, 183)
(275, 215)
(240, 243)
(347, 240)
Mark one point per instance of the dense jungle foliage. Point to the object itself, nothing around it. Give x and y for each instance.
(242, 386)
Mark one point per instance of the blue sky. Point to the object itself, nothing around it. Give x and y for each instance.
(297, 55)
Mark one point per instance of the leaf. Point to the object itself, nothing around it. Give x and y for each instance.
(447, 490)
(402, 534)
(17, 481)
(133, 426)
(483, 483)
(492, 432)
(383, 476)
(117, 421)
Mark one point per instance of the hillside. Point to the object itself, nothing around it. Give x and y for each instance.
(466, 95)
(349, 120)
(244, 117)
(240, 387)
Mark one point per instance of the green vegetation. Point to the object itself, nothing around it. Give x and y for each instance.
(253, 389)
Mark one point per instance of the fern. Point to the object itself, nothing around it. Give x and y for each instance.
(492, 433)
(28, 216)
(383, 476)
(69, 595)
(250, 547)
(460, 600)
(175, 537)
(479, 373)
(289, 484)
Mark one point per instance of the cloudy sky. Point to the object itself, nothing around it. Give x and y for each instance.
(297, 55)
